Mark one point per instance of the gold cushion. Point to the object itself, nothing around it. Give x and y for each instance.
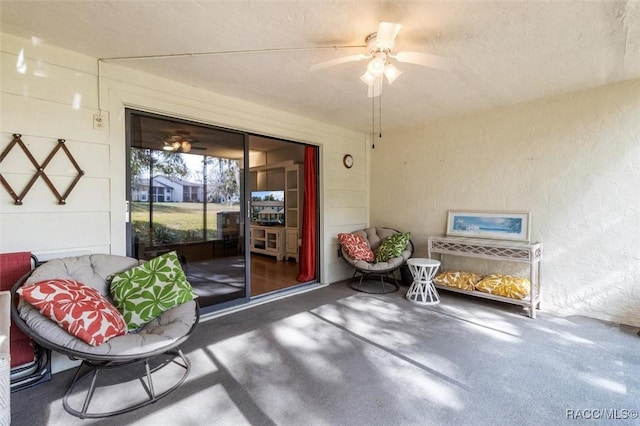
(458, 279)
(505, 285)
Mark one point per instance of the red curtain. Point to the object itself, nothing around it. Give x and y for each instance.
(308, 254)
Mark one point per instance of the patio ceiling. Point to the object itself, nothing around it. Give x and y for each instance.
(505, 52)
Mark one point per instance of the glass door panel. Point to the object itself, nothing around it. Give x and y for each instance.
(185, 194)
(276, 185)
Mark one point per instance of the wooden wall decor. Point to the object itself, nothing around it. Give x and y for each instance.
(40, 172)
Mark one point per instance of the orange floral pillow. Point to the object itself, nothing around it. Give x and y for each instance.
(458, 279)
(78, 308)
(356, 247)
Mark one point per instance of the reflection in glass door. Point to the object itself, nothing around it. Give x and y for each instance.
(185, 192)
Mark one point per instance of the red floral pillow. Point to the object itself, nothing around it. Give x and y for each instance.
(79, 309)
(356, 247)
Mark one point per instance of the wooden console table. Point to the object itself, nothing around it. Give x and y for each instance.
(510, 251)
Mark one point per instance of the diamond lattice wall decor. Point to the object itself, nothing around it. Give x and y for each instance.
(40, 170)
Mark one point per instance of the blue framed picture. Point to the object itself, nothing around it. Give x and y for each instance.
(514, 226)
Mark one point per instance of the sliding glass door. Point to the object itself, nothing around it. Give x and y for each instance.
(185, 193)
(190, 186)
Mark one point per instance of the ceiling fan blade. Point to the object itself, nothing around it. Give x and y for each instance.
(337, 61)
(425, 59)
(386, 35)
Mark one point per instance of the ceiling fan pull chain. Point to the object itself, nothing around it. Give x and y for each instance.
(380, 116)
(373, 122)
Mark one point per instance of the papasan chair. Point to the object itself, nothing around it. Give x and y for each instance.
(375, 252)
(61, 306)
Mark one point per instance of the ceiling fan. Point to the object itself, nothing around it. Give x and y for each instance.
(379, 47)
(179, 141)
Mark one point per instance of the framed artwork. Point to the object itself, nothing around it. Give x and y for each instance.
(514, 226)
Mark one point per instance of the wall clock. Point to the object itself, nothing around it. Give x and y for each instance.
(347, 160)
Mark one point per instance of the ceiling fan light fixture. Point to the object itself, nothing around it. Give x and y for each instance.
(179, 141)
(367, 78)
(391, 72)
(376, 67)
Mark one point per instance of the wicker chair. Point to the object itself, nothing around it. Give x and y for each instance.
(155, 345)
(385, 271)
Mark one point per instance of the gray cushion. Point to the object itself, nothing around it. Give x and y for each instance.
(93, 270)
(157, 334)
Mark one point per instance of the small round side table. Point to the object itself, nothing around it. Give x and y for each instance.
(422, 290)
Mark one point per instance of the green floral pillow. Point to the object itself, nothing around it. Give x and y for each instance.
(392, 246)
(144, 292)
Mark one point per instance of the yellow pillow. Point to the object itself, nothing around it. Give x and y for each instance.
(458, 279)
(505, 285)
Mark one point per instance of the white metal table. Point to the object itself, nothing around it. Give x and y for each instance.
(422, 290)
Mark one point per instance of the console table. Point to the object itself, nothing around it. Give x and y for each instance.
(510, 251)
(267, 240)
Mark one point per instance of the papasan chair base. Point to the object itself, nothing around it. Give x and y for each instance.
(387, 280)
(74, 403)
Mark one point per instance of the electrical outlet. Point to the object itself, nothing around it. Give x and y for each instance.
(100, 121)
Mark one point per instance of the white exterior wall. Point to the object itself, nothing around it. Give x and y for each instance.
(572, 160)
(39, 104)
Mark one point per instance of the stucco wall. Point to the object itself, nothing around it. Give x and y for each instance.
(53, 94)
(572, 160)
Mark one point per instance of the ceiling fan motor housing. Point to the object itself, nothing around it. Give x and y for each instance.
(373, 48)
